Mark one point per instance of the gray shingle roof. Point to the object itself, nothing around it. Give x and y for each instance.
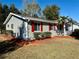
(29, 19)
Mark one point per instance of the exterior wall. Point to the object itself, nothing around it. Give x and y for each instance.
(17, 24)
(45, 27)
(71, 30)
(54, 30)
(74, 27)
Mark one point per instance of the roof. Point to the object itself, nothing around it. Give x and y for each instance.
(28, 18)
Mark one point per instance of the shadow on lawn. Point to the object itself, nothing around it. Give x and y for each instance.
(7, 46)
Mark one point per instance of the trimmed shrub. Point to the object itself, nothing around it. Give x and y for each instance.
(42, 35)
(37, 35)
(48, 34)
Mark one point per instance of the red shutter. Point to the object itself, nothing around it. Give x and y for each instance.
(32, 26)
(41, 27)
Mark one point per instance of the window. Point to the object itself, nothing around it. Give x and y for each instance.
(7, 25)
(37, 27)
(50, 27)
(12, 26)
(66, 27)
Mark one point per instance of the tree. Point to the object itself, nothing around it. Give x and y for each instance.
(0, 12)
(51, 12)
(14, 9)
(5, 13)
(63, 21)
(5, 10)
(32, 9)
(1, 16)
(0, 9)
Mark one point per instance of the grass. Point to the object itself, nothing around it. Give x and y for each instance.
(52, 49)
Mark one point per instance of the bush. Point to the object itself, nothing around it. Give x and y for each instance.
(75, 33)
(9, 32)
(36, 35)
(6, 32)
(48, 34)
(3, 32)
(42, 35)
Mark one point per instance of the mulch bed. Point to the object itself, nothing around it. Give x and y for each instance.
(41, 41)
(22, 42)
(62, 37)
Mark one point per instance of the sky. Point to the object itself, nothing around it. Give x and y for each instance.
(67, 7)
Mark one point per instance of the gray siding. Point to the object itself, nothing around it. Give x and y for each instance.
(17, 23)
(45, 27)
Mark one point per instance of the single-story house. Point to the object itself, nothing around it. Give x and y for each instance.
(25, 26)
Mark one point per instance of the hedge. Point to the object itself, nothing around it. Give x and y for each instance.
(75, 33)
(42, 35)
(9, 32)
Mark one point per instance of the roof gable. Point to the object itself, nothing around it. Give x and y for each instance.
(12, 14)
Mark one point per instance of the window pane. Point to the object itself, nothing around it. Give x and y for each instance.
(8, 25)
(36, 27)
(12, 26)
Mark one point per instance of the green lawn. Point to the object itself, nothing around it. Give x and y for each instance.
(54, 49)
